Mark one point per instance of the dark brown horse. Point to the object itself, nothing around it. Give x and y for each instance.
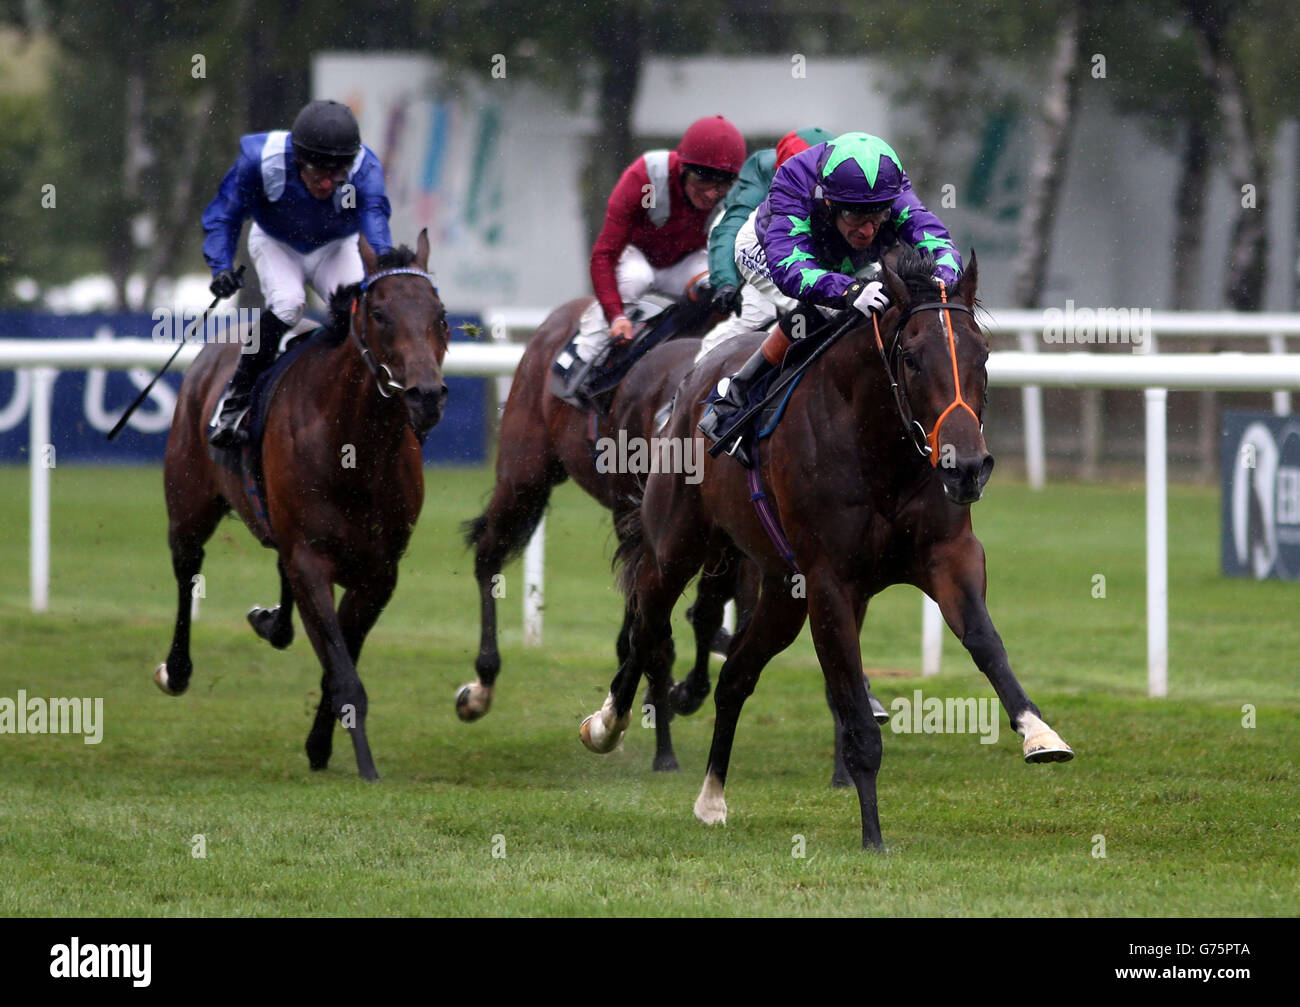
(544, 441)
(871, 490)
(343, 475)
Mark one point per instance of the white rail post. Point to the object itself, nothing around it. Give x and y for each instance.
(931, 636)
(1157, 547)
(42, 384)
(534, 561)
(1281, 399)
(1031, 398)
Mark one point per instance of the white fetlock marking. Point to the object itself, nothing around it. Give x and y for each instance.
(160, 678)
(604, 732)
(478, 699)
(710, 807)
(1038, 735)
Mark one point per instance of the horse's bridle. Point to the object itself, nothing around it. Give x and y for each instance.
(926, 444)
(387, 384)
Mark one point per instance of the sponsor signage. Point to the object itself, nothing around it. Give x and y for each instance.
(88, 402)
(1261, 496)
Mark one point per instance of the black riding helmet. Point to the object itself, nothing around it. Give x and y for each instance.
(326, 134)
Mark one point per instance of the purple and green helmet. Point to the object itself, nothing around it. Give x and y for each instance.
(861, 168)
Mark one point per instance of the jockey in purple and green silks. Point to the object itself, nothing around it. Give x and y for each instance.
(813, 259)
(831, 213)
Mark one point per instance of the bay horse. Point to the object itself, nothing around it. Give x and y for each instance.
(343, 476)
(545, 440)
(854, 474)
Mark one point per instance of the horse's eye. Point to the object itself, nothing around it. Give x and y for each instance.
(909, 361)
(379, 317)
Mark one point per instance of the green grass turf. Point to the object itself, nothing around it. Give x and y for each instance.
(1199, 815)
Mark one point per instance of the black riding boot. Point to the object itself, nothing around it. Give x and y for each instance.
(716, 422)
(225, 430)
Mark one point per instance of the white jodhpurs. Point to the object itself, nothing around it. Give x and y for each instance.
(284, 271)
(636, 278)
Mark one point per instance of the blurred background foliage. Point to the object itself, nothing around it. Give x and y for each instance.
(104, 101)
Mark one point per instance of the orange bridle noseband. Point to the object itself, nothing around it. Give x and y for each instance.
(928, 444)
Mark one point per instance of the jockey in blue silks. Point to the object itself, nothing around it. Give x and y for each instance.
(310, 191)
(833, 210)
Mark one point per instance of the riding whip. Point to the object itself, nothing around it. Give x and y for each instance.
(117, 428)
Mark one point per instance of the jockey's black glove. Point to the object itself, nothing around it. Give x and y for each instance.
(726, 300)
(226, 283)
(868, 298)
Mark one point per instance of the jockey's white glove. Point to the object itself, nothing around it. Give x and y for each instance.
(868, 298)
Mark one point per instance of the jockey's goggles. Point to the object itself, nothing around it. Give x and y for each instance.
(337, 170)
(710, 176)
(857, 214)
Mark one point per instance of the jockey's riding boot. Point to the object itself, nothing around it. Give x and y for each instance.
(225, 429)
(717, 421)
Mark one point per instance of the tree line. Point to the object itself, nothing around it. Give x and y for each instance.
(126, 116)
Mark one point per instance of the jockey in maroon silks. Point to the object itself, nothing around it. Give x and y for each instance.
(655, 233)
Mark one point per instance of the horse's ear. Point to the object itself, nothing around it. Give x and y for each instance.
(966, 285)
(368, 257)
(897, 289)
(422, 250)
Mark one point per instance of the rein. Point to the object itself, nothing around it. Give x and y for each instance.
(387, 384)
(926, 444)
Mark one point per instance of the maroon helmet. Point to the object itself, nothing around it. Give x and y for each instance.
(713, 143)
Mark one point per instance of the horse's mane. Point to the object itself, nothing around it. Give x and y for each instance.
(341, 300)
(915, 267)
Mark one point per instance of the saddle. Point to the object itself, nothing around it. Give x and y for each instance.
(765, 403)
(590, 384)
(246, 460)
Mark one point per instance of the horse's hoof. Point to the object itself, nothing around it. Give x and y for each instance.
(685, 702)
(584, 732)
(597, 738)
(878, 710)
(1047, 746)
(597, 735)
(841, 780)
(370, 776)
(473, 701)
(666, 763)
(161, 680)
(721, 643)
(318, 756)
(264, 622)
(710, 806)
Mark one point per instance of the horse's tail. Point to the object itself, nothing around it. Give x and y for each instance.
(631, 551)
(500, 533)
(473, 530)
